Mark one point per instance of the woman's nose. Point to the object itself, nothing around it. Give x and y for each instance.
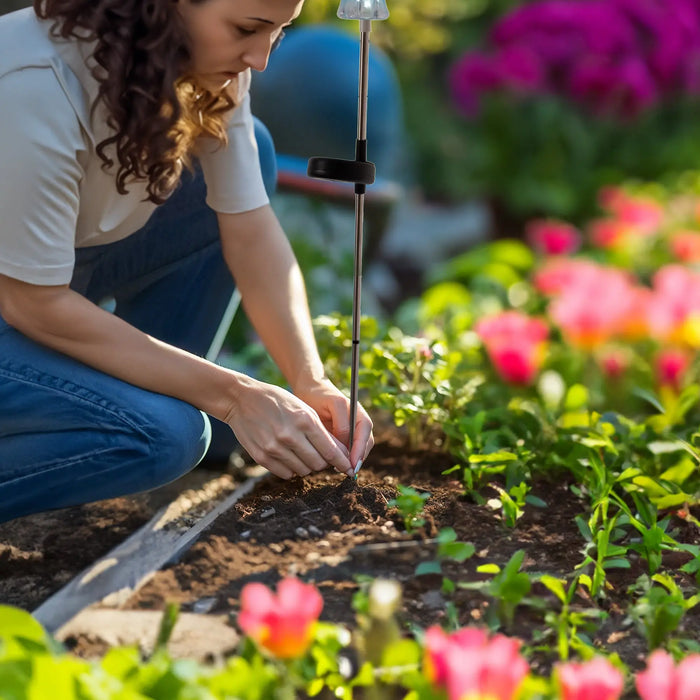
(257, 52)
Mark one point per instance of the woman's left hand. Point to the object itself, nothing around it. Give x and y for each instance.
(333, 408)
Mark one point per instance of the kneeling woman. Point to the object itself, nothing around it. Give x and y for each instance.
(129, 171)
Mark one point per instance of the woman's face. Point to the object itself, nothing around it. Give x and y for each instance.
(229, 36)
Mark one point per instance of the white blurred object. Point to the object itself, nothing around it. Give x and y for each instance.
(363, 9)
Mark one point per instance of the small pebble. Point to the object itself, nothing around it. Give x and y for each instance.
(313, 530)
(203, 605)
(267, 513)
(302, 532)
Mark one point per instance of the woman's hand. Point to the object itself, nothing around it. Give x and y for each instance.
(333, 408)
(284, 434)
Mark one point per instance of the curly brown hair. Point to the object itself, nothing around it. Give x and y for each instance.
(155, 109)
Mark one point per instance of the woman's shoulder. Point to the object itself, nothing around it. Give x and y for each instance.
(27, 45)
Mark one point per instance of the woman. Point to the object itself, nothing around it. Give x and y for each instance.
(103, 103)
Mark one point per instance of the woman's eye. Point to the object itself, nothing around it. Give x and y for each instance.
(245, 32)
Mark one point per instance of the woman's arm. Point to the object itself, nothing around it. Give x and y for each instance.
(278, 430)
(274, 297)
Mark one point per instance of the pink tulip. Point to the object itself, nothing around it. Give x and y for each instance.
(467, 664)
(515, 344)
(663, 681)
(553, 237)
(283, 623)
(596, 679)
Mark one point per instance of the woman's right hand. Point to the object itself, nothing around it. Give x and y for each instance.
(282, 433)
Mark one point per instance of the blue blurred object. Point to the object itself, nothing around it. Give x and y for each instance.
(307, 97)
(266, 155)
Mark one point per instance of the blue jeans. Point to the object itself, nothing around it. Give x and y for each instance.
(70, 434)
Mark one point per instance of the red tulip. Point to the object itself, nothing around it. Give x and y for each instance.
(515, 343)
(283, 623)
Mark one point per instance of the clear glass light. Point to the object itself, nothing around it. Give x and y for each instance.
(363, 9)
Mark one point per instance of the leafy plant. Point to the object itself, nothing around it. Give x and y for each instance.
(410, 504)
(508, 588)
(660, 608)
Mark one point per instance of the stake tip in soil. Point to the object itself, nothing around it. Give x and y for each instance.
(357, 468)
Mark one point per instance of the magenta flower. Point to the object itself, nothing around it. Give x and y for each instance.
(472, 75)
(671, 365)
(553, 237)
(283, 623)
(622, 88)
(663, 681)
(596, 679)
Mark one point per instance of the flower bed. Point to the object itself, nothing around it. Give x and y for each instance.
(533, 495)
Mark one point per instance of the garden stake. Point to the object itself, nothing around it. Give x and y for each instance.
(359, 171)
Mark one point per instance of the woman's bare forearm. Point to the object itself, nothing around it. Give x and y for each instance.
(273, 293)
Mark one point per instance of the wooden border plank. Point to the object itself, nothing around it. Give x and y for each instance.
(128, 566)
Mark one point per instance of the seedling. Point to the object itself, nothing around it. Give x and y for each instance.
(410, 504)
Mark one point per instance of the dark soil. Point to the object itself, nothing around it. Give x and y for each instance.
(329, 530)
(40, 553)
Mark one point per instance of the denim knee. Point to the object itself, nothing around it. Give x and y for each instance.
(180, 435)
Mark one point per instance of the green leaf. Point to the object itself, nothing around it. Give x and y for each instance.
(680, 472)
(492, 457)
(488, 569)
(428, 567)
(577, 398)
(554, 585)
(402, 653)
(457, 551)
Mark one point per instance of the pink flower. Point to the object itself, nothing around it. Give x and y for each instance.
(596, 679)
(282, 624)
(609, 233)
(614, 363)
(663, 681)
(558, 274)
(467, 664)
(515, 344)
(553, 237)
(671, 365)
(594, 308)
(675, 300)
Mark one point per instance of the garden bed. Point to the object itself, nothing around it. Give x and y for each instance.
(332, 531)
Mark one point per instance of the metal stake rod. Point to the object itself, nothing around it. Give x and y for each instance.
(365, 28)
(359, 171)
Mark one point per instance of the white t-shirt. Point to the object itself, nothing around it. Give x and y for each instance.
(54, 194)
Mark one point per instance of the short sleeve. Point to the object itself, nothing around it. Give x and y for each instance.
(40, 173)
(232, 173)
